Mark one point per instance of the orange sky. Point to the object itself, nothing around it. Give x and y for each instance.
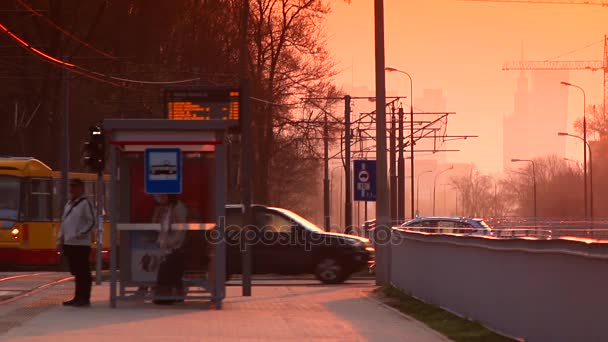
(460, 47)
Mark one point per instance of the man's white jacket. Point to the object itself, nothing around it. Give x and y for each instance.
(76, 223)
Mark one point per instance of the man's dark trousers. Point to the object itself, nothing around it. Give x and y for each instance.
(78, 260)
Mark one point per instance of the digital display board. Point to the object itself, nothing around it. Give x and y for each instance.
(196, 103)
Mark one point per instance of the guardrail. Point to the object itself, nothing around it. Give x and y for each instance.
(535, 289)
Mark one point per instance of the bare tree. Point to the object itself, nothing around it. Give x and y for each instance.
(597, 123)
(288, 57)
(479, 195)
(559, 189)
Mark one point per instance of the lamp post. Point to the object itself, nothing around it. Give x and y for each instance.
(435, 185)
(584, 138)
(418, 191)
(533, 179)
(565, 134)
(401, 142)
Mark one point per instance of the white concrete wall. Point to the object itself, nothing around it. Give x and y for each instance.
(545, 290)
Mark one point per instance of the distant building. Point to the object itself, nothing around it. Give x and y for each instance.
(434, 101)
(539, 112)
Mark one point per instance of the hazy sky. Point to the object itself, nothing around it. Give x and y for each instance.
(460, 47)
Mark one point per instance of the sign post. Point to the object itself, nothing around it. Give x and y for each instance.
(365, 180)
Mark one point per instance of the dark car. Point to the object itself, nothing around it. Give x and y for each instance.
(452, 225)
(283, 242)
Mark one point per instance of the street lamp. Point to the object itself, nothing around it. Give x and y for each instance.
(418, 191)
(435, 185)
(533, 178)
(400, 161)
(565, 134)
(584, 138)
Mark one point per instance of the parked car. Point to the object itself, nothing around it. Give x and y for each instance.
(283, 242)
(451, 225)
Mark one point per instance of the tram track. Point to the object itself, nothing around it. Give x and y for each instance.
(17, 286)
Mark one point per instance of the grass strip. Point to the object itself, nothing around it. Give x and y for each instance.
(454, 327)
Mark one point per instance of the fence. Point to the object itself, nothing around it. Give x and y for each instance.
(538, 290)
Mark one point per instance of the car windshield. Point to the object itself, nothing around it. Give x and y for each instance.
(300, 220)
(9, 197)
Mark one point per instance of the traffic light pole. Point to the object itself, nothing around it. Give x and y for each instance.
(100, 219)
(66, 137)
(93, 159)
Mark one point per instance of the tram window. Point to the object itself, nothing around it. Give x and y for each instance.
(9, 197)
(38, 199)
(57, 205)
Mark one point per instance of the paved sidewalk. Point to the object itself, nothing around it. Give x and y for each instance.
(282, 312)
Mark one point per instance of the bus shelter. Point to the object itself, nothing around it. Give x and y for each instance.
(186, 161)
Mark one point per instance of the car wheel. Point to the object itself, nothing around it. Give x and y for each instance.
(330, 270)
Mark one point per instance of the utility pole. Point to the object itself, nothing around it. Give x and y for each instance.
(348, 202)
(392, 164)
(246, 148)
(401, 173)
(383, 231)
(412, 144)
(326, 213)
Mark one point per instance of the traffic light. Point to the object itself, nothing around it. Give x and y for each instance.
(93, 152)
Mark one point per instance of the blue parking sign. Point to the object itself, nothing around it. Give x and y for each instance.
(365, 180)
(163, 171)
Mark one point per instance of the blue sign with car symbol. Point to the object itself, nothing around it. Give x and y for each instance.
(365, 180)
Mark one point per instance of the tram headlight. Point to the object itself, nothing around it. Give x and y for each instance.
(15, 232)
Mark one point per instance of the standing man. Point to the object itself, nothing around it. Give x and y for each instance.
(74, 240)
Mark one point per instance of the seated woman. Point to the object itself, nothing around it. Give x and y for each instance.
(172, 265)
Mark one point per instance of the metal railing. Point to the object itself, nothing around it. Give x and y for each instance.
(515, 228)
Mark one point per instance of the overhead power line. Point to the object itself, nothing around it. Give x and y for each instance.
(550, 2)
(83, 71)
(50, 59)
(575, 50)
(65, 32)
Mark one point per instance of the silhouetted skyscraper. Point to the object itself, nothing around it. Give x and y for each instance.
(539, 112)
